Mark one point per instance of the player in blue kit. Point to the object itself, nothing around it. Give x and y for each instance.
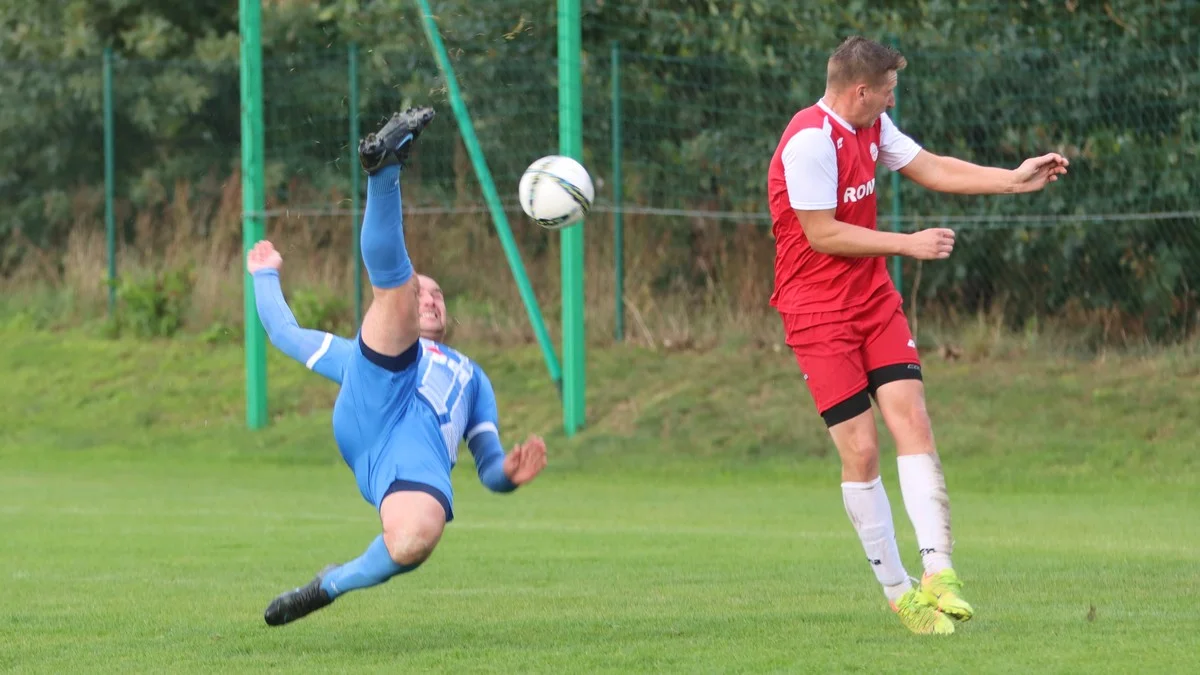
(406, 400)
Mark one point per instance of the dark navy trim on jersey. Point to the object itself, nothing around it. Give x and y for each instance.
(396, 363)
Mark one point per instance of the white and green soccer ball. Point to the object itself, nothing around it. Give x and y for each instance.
(556, 192)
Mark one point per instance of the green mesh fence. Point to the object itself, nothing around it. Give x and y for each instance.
(1114, 247)
(706, 89)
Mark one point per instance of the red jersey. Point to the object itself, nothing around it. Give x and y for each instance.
(822, 162)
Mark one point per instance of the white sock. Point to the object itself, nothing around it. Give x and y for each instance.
(924, 490)
(871, 514)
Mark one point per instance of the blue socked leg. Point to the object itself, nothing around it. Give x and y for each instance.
(371, 568)
(382, 243)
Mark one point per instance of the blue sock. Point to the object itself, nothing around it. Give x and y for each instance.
(382, 242)
(371, 568)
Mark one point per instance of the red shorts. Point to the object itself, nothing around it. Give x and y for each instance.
(848, 353)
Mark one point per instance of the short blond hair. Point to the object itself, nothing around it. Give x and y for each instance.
(858, 60)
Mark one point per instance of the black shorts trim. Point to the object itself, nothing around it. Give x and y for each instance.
(393, 363)
(413, 486)
(860, 402)
(852, 407)
(893, 373)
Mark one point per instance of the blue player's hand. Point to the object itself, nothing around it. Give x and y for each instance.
(525, 461)
(263, 256)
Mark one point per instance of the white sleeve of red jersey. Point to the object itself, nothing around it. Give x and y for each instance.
(896, 149)
(810, 169)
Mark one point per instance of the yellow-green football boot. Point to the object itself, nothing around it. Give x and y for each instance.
(918, 612)
(946, 587)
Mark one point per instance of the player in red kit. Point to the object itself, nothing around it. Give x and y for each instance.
(842, 314)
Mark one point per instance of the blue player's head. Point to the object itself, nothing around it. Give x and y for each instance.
(432, 308)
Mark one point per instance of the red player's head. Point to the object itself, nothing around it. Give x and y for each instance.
(860, 80)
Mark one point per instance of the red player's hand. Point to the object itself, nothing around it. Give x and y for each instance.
(936, 243)
(1036, 172)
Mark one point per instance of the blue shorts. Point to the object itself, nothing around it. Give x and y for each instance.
(387, 435)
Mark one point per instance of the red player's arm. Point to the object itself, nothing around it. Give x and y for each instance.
(955, 176)
(826, 234)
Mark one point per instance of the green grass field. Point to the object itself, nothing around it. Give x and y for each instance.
(696, 526)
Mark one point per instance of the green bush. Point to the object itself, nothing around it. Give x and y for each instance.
(322, 311)
(154, 304)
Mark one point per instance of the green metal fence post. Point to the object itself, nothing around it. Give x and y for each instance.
(895, 180)
(570, 142)
(488, 185)
(253, 203)
(355, 177)
(110, 222)
(618, 197)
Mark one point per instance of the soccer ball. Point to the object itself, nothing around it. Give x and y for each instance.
(556, 192)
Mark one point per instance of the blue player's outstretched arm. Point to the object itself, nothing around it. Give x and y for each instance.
(483, 435)
(321, 352)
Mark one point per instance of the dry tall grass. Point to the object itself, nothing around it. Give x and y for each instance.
(700, 293)
(693, 284)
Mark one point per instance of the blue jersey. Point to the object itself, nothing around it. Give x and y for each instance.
(455, 390)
